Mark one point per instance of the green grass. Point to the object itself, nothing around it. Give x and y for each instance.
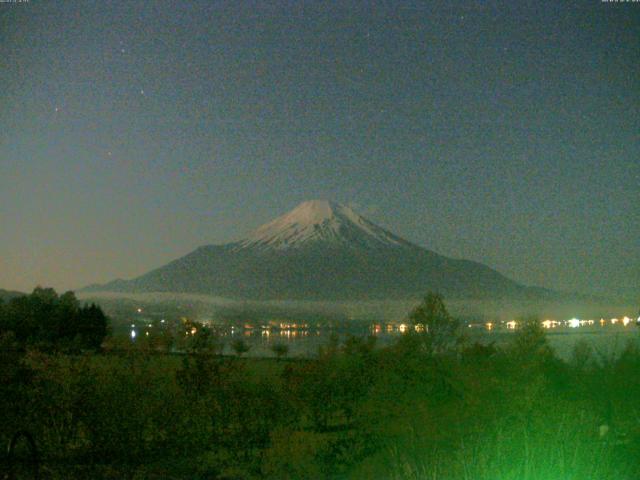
(516, 413)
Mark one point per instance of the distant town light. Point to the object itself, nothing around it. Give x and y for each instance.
(574, 323)
(133, 334)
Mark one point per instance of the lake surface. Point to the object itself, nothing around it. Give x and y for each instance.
(606, 341)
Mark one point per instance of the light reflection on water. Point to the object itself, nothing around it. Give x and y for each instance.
(606, 340)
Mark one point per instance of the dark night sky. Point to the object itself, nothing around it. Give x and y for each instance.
(503, 132)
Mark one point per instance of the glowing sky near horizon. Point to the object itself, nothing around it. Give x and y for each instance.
(502, 132)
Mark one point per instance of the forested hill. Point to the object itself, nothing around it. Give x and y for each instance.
(6, 295)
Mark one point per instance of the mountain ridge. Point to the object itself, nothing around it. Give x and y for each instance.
(323, 250)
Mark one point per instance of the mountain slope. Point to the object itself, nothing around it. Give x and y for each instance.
(322, 251)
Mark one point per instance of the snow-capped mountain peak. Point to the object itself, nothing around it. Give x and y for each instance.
(319, 220)
(321, 251)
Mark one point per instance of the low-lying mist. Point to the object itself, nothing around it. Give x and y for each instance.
(212, 307)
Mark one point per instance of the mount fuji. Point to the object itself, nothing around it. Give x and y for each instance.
(322, 251)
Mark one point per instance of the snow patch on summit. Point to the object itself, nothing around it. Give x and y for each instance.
(319, 220)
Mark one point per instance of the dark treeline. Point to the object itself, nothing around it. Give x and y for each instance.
(429, 406)
(46, 320)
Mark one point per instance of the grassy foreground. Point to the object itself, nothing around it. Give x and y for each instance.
(357, 412)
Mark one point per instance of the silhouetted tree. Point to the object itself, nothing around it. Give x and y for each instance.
(280, 349)
(205, 340)
(439, 331)
(240, 346)
(358, 345)
(92, 326)
(530, 340)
